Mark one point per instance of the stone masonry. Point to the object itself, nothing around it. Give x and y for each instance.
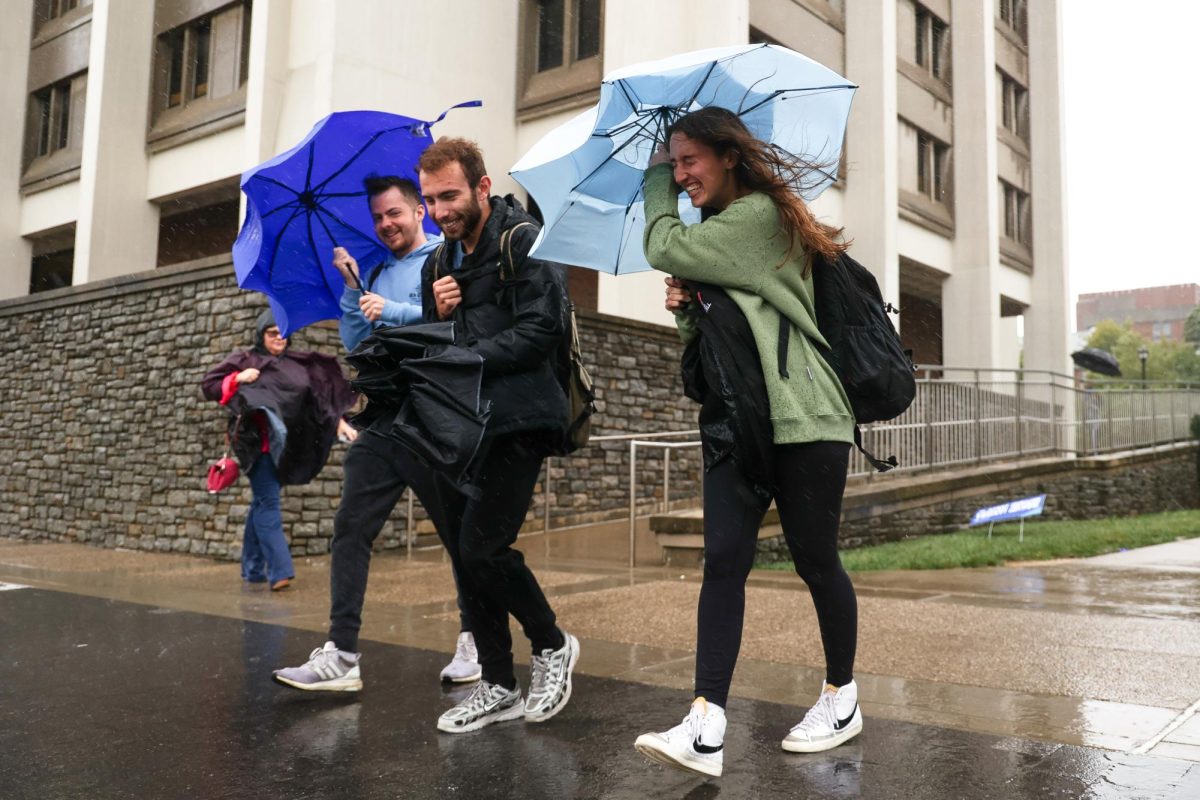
(106, 439)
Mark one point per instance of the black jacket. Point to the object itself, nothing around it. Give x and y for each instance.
(516, 325)
(723, 372)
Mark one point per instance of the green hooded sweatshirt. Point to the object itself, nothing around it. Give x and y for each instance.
(739, 250)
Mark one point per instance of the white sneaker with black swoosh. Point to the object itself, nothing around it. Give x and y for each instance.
(696, 745)
(835, 718)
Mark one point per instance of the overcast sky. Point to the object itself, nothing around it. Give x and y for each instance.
(1131, 79)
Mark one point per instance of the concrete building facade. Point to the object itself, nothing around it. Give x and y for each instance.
(1157, 312)
(140, 115)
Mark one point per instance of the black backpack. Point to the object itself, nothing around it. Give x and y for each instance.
(864, 348)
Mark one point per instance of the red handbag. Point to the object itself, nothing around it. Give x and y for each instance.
(223, 472)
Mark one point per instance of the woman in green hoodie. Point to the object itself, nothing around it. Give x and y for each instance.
(758, 243)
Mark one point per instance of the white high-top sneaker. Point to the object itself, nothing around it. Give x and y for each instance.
(835, 718)
(696, 745)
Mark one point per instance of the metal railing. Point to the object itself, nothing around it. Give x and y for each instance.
(959, 416)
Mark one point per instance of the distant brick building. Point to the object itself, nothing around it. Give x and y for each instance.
(1157, 312)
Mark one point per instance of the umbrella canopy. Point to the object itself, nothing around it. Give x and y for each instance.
(586, 175)
(306, 201)
(1095, 360)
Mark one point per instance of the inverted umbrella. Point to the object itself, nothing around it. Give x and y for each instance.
(306, 201)
(586, 175)
(1096, 360)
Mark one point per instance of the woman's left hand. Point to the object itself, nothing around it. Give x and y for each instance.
(346, 431)
(661, 156)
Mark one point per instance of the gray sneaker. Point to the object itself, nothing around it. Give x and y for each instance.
(486, 704)
(550, 688)
(464, 668)
(327, 670)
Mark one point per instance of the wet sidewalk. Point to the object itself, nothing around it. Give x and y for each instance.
(147, 675)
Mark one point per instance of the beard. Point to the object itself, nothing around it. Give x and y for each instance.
(467, 221)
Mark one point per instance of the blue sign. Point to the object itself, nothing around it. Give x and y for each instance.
(1017, 509)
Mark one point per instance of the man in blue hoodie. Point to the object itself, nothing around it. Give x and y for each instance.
(376, 470)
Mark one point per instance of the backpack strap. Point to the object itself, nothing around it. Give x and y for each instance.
(785, 335)
(437, 260)
(880, 464)
(506, 259)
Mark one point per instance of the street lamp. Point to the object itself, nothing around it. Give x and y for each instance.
(1143, 355)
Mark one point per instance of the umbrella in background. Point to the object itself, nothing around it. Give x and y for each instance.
(586, 175)
(1095, 360)
(303, 203)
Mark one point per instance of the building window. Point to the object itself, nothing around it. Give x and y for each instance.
(1016, 219)
(924, 164)
(51, 270)
(562, 43)
(924, 39)
(1013, 99)
(200, 69)
(932, 44)
(54, 128)
(46, 10)
(1014, 14)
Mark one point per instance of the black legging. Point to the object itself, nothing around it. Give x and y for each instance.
(812, 478)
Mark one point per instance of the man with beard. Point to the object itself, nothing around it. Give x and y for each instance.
(376, 470)
(510, 310)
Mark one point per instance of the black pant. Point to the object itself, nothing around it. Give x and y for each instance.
(478, 532)
(375, 474)
(811, 479)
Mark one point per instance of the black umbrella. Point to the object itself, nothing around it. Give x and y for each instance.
(431, 391)
(1096, 360)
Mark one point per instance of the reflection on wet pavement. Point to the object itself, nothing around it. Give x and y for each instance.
(100, 698)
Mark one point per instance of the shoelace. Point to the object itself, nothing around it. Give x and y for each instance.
(690, 727)
(822, 715)
(540, 669)
(324, 658)
(480, 696)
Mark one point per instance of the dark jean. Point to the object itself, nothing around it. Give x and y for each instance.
(374, 476)
(811, 479)
(265, 554)
(478, 532)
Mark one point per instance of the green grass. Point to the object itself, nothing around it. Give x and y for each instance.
(1043, 541)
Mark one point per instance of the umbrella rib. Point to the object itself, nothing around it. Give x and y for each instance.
(280, 184)
(278, 239)
(354, 157)
(810, 90)
(646, 122)
(312, 242)
(282, 207)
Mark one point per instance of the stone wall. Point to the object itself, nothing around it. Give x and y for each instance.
(106, 439)
(1119, 485)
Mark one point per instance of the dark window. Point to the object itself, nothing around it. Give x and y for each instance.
(205, 58)
(1016, 214)
(933, 159)
(46, 10)
(587, 33)
(562, 42)
(185, 235)
(550, 34)
(51, 111)
(1014, 105)
(51, 271)
(1014, 14)
(932, 44)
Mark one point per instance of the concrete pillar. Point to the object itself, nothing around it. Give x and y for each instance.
(266, 85)
(639, 31)
(1048, 321)
(117, 231)
(971, 295)
(871, 188)
(15, 252)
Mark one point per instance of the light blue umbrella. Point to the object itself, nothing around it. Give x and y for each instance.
(586, 175)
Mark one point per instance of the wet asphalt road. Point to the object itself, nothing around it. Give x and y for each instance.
(105, 699)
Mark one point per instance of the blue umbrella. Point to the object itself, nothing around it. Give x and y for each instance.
(303, 203)
(586, 175)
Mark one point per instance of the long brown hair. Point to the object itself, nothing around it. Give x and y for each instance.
(764, 167)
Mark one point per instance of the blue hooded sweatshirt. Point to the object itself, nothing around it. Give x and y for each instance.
(398, 280)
